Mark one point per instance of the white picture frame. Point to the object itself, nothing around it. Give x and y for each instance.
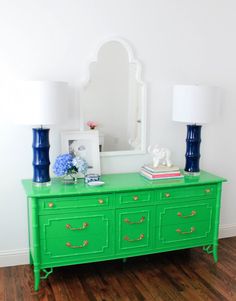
(84, 144)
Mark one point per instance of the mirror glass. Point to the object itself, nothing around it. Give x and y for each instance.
(114, 98)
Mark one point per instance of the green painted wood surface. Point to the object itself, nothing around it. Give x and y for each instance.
(127, 216)
(116, 182)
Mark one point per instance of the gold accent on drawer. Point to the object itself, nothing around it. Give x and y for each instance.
(141, 236)
(127, 221)
(192, 229)
(85, 225)
(135, 197)
(208, 190)
(101, 201)
(180, 214)
(167, 195)
(51, 204)
(69, 245)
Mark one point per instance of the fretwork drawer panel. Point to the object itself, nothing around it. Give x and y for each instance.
(134, 229)
(65, 237)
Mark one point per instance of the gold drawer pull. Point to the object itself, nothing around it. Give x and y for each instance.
(167, 195)
(208, 190)
(69, 245)
(127, 221)
(135, 197)
(51, 204)
(141, 236)
(180, 214)
(85, 225)
(192, 229)
(101, 201)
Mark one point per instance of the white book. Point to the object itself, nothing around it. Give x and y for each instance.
(160, 168)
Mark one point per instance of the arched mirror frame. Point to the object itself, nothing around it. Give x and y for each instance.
(143, 97)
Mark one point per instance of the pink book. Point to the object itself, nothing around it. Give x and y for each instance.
(161, 176)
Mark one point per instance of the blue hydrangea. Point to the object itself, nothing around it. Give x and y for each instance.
(68, 164)
(63, 165)
(80, 164)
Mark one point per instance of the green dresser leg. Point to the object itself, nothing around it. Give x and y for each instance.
(30, 259)
(215, 253)
(212, 249)
(36, 278)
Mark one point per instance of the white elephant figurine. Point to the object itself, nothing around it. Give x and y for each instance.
(161, 155)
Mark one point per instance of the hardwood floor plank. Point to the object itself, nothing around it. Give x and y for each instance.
(2, 290)
(182, 275)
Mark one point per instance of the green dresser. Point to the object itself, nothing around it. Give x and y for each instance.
(127, 216)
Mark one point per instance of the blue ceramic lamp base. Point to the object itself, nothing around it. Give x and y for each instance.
(192, 155)
(41, 160)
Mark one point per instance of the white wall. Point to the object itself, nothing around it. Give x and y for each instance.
(177, 41)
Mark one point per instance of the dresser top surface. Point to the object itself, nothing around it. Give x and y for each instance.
(116, 183)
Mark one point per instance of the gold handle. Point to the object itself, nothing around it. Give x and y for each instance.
(135, 197)
(167, 195)
(192, 229)
(100, 201)
(127, 221)
(141, 236)
(85, 225)
(180, 214)
(69, 245)
(208, 190)
(50, 205)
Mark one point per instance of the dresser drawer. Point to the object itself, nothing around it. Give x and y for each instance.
(86, 236)
(134, 229)
(193, 192)
(134, 198)
(52, 205)
(184, 234)
(81, 225)
(172, 214)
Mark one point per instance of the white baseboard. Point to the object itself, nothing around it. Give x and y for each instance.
(227, 230)
(21, 256)
(14, 257)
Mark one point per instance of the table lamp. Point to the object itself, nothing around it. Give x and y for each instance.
(41, 103)
(194, 105)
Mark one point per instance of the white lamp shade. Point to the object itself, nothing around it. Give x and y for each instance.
(195, 104)
(41, 102)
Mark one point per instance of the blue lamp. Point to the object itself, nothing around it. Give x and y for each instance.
(42, 103)
(194, 105)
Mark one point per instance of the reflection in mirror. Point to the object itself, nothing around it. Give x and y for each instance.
(114, 98)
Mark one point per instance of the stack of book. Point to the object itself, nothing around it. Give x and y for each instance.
(160, 172)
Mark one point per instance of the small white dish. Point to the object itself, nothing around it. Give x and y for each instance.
(96, 183)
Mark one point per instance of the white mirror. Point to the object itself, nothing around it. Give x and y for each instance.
(114, 98)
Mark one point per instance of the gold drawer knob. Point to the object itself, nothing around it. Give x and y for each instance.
(135, 197)
(208, 190)
(51, 204)
(167, 195)
(101, 201)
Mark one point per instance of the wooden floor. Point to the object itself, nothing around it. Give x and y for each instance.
(187, 275)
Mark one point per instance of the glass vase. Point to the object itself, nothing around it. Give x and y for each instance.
(70, 178)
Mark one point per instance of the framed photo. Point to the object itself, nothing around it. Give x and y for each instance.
(84, 144)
